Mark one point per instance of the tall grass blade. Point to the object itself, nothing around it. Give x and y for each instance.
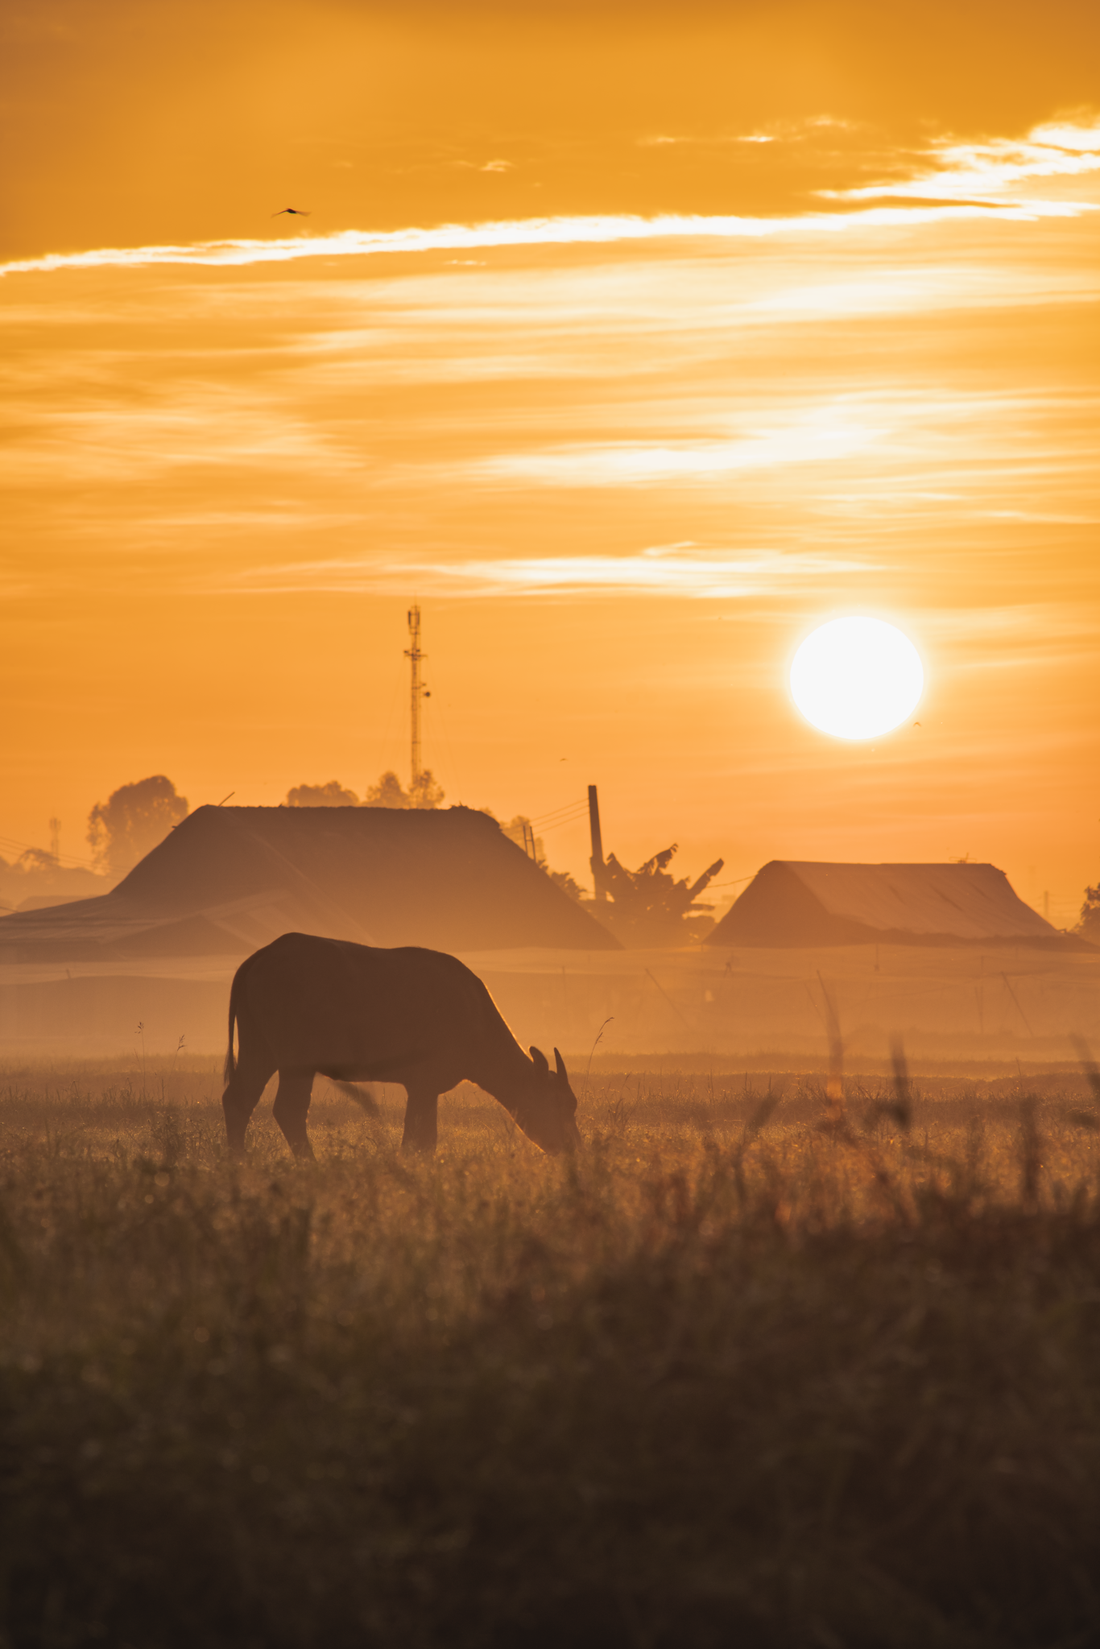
(834, 1087)
(902, 1108)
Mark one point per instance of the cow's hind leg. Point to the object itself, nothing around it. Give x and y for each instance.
(421, 1121)
(240, 1099)
(292, 1107)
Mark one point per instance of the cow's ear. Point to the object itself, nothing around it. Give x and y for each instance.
(541, 1065)
(559, 1063)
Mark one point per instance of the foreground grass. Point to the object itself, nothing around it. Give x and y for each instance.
(742, 1372)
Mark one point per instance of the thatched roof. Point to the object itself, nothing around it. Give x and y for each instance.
(798, 902)
(230, 879)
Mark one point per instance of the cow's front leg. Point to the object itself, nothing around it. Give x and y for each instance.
(421, 1121)
(291, 1109)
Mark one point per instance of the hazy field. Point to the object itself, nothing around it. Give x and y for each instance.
(765, 1370)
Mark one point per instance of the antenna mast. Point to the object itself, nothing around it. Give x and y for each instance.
(414, 655)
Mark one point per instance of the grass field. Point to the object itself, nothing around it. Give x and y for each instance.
(752, 1369)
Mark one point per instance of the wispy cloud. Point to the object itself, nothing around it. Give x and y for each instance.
(678, 569)
(782, 131)
(486, 166)
(663, 140)
(963, 171)
(555, 231)
(118, 444)
(828, 433)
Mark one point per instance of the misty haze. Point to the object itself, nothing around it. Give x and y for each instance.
(549, 847)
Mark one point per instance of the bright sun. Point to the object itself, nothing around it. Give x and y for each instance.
(857, 678)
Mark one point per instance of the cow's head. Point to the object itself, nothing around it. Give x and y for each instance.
(548, 1108)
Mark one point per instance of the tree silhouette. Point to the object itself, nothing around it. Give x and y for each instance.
(332, 794)
(649, 907)
(386, 793)
(132, 821)
(422, 793)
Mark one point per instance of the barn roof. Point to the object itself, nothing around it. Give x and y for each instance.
(229, 879)
(801, 902)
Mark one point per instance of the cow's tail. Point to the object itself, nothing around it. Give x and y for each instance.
(234, 1010)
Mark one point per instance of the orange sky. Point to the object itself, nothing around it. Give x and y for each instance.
(631, 347)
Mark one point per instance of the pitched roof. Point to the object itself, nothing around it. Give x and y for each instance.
(800, 902)
(228, 880)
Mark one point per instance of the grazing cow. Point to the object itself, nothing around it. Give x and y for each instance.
(356, 1014)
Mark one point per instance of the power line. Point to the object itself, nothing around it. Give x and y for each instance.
(574, 818)
(10, 841)
(556, 814)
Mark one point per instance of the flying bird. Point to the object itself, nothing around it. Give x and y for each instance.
(292, 211)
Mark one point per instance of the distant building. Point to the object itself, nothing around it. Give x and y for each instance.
(229, 879)
(798, 902)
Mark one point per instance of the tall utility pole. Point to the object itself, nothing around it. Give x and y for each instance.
(596, 860)
(418, 691)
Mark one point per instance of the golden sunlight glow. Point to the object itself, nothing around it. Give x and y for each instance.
(857, 678)
(631, 353)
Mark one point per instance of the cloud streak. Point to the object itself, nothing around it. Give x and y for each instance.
(825, 435)
(679, 569)
(559, 231)
(963, 170)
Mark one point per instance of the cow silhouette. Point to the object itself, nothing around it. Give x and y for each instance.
(355, 1013)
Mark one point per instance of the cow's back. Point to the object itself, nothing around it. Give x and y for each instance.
(329, 1004)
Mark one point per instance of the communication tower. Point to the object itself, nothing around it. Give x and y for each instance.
(417, 692)
(55, 838)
